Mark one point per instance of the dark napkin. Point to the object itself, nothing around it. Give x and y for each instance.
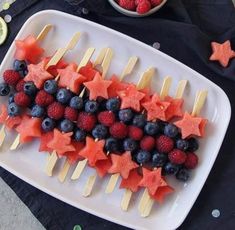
(184, 29)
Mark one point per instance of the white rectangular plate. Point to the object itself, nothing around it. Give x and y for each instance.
(28, 164)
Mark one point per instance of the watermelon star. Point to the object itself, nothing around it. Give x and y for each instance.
(61, 142)
(116, 86)
(93, 151)
(122, 164)
(189, 125)
(102, 167)
(156, 109)
(222, 53)
(152, 180)
(98, 87)
(4, 114)
(53, 70)
(74, 156)
(132, 181)
(45, 138)
(38, 74)
(88, 71)
(28, 49)
(175, 108)
(161, 193)
(131, 97)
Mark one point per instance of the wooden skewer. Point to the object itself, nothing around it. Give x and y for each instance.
(40, 37)
(53, 61)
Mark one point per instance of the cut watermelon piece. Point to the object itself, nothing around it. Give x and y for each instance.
(156, 109)
(12, 122)
(132, 181)
(122, 164)
(38, 74)
(175, 108)
(53, 70)
(74, 156)
(88, 72)
(147, 96)
(44, 140)
(161, 193)
(93, 151)
(152, 180)
(131, 97)
(28, 49)
(98, 87)
(61, 142)
(202, 127)
(4, 114)
(102, 167)
(116, 86)
(29, 128)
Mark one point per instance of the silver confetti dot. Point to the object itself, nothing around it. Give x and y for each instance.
(156, 45)
(85, 11)
(7, 18)
(215, 213)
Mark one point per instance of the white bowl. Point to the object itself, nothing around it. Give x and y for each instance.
(133, 13)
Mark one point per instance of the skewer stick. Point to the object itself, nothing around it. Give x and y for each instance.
(165, 87)
(129, 67)
(126, 199)
(89, 185)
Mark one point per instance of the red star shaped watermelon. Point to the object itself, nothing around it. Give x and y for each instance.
(74, 156)
(102, 167)
(4, 114)
(116, 86)
(53, 70)
(44, 140)
(161, 193)
(175, 108)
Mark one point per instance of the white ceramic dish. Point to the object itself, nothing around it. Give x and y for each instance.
(28, 164)
(135, 14)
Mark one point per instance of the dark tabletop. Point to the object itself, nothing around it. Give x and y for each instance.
(184, 29)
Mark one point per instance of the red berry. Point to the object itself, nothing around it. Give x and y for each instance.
(71, 113)
(86, 121)
(118, 130)
(164, 144)
(11, 77)
(191, 161)
(55, 111)
(135, 133)
(106, 118)
(22, 99)
(155, 2)
(127, 4)
(147, 143)
(43, 98)
(20, 85)
(143, 7)
(177, 156)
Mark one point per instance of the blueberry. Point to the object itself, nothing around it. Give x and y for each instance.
(151, 128)
(50, 86)
(159, 159)
(113, 104)
(48, 124)
(4, 89)
(139, 120)
(29, 88)
(37, 111)
(130, 145)
(63, 96)
(100, 131)
(125, 115)
(19, 65)
(171, 130)
(182, 175)
(76, 102)
(11, 98)
(182, 144)
(91, 106)
(170, 168)
(112, 145)
(143, 156)
(193, 144)
(13, 109)
(66, 126)
(23, 73)
(79, 135)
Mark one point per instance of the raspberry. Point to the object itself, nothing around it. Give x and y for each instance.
(155, 2)
(177, 156)
(147, 143)
(55, 111)
(191, 161)
(11, 77)
(71, 113)
(127, 4)
(43, 98)
(22, 99)
(86, 121)
(106, 118)
(143, 7)
(118, 130)
(164, 144)
(20, 85)
(135, 133)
